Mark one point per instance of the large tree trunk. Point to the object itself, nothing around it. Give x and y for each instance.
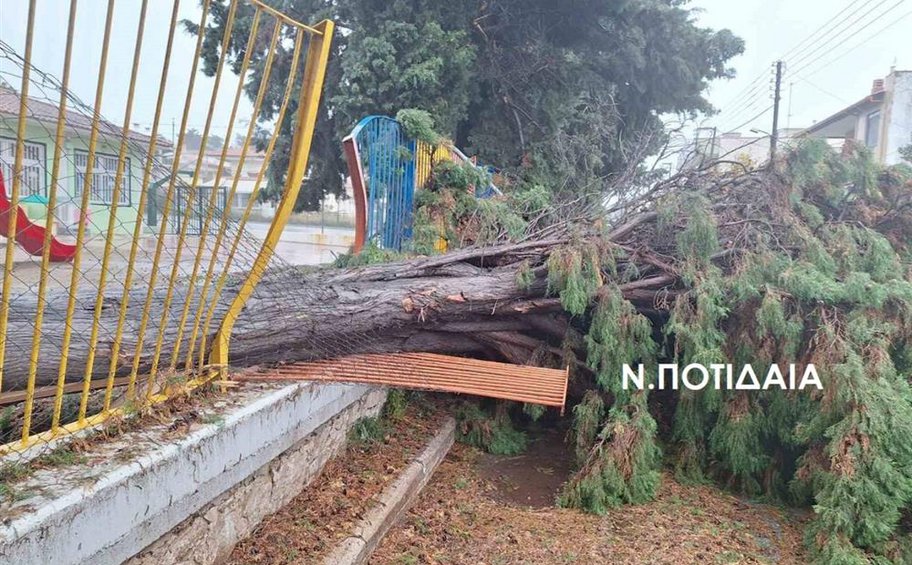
(464, 302)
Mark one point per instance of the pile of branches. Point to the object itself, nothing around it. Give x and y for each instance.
(807, 263)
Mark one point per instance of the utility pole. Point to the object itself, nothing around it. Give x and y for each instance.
(774, 134)
(712, 144)
(788, 117)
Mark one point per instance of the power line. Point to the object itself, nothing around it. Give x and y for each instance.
(741, 103)
(728, 127)
(827, 92)
(795, 48)
(855, 46)
(753, 118)
(741, 94)
(738, 114)
(803, 71)
(746, 93)
(749, 97)
(799, 62)
(834, 32)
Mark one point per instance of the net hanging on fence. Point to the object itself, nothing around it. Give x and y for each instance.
(127, 261)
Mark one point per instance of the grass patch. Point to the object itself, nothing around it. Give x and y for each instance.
(370, 254)
(10, 473)
(367, 431)
(397, 401)
(13, 472)
(8, 433)
(60, 457)
(494, 434)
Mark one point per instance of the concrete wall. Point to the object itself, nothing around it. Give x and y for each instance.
(213, 485)
(898, 117)
(211, 534)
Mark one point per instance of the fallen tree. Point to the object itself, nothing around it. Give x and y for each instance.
(804, 264)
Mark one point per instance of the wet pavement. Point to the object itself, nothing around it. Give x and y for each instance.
(299, 245)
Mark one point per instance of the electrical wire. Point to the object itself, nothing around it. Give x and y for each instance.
(797, 71)
(802, 63)
(834, 34)
(820, 38)
(747, 95)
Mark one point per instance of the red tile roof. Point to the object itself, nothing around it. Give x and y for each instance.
(76, 120)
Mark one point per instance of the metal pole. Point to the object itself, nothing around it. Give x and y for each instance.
(788, 117)
(774, 134)
(712, 144)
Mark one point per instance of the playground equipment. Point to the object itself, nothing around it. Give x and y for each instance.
(386, 167)
(29, 235)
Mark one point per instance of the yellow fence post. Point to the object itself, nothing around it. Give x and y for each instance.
(14, 192)
(109, 339)
(311, 90)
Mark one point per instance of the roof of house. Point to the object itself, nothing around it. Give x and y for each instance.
(821, 127)
(75, 120)
(252, 153)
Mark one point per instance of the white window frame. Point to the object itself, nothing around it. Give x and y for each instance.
(34, 167)
(872, 117)
(104, 173)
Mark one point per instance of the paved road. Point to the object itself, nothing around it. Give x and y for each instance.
(297, 245)
(294, 230)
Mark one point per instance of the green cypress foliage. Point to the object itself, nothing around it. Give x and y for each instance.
(493, 433)
(829, 287)
(819, 282)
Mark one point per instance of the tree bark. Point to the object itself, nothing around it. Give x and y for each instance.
(465, 302)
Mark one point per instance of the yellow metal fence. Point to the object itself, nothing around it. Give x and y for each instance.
(139, 312)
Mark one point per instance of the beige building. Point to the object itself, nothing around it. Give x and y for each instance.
(882, 120)
(246, 176)
(752, 149)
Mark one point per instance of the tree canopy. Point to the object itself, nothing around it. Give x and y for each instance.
(556, 93)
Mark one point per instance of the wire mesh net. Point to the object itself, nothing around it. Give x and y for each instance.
(129, 248)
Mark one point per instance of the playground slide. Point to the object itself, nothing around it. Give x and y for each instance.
(30, 236)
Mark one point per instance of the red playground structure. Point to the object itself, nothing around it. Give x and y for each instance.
(30, 235)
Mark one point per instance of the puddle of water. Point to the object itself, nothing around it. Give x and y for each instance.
(533, 478)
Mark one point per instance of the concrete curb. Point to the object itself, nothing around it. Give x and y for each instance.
(394, 501)
(134, 504)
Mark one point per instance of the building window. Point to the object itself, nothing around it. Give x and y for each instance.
(34, 167)
(103, 175)
(872, 129)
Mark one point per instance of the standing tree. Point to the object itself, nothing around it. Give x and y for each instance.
(557, 93)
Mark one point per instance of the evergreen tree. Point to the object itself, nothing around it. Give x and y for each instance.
(558, 93)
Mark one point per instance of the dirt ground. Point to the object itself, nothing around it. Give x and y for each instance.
(531, 478)
(327, 510)
(483, 509)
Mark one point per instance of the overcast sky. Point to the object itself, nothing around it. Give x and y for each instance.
(826, 69)
(50, 33)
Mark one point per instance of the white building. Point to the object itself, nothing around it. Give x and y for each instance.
(751, 150)
(246, 177)
(882, 120)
